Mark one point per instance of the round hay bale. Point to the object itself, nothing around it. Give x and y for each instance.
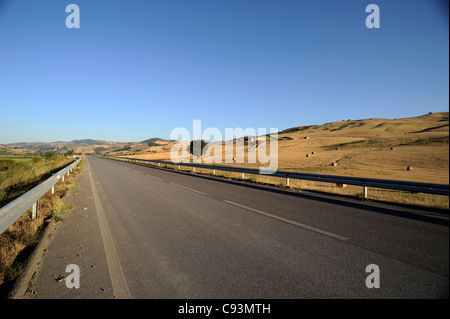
(307, 155)
(306, 137)
(334, 164)
(409, 168)
(313, 153)
(392, 148)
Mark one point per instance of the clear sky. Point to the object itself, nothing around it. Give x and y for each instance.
(138, 69)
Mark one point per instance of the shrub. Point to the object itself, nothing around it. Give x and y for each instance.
(152, 144)
(50, 155)
(6, 164)
(37, 159)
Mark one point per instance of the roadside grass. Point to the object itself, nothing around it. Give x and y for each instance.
(21, 237)
(20, 174)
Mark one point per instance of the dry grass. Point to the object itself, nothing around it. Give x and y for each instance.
(25, 232)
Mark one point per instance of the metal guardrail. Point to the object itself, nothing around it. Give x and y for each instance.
(437, 189)
(12, 211)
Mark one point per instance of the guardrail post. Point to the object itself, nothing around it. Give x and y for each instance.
(53, 189)
(287, 180)
(193, 169)
(214, 171)
(34, 211)
(242, 175)
(365, 191)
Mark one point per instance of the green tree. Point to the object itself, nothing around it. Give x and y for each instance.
(70, 153)
(50, 155)
(195, 151)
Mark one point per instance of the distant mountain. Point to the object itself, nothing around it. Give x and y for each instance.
(88, 142)
(151, 140)
(79, 146)
(39, 146)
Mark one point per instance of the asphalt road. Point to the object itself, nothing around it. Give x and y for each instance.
(145, 232)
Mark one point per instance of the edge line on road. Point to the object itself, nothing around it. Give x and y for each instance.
(314, 229)
(116, 274)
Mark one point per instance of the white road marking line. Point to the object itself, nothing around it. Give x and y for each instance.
(193, 190)
(314, 229)
(160, 179)
(116, 274)
(146, 174)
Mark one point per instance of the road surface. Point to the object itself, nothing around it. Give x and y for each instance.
(146, 232)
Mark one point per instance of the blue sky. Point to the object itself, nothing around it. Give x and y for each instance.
(139, 69)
